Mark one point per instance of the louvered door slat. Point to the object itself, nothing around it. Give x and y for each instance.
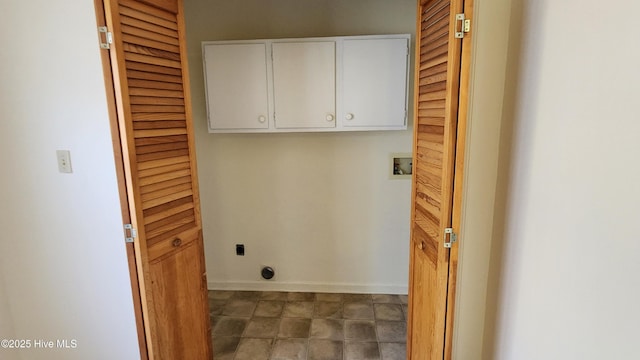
(165, 184)
(168, 209)
(171, 209)
(157, 108)
(149, 69)
(153, 96)
(166, 199)
(164, 169)
(151, 84)
(158, 163)
(425, 120)
(431, 112)
(149, 11)
(163, 155)
(436, 78)
(432, 104)
(145, 149)
(170, 223)
(147, 125)
(157, 117)
(160, 193)
(150, 100)
(164, 176)
(132, 48)
(159, 132)
(442, 68)
(155, 92)
(434, 33)
(433, 95)
(141, 15)
(427, 63)
(152, 60)
(149, 26)
(136, 40)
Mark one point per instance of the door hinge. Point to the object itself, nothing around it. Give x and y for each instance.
(108, 37)
(451, 238)
(463, 25)
(129, 233)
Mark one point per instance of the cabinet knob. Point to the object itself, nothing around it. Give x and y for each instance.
(176, 242)
(262, 118)
(349, 116)
(421, 245)
(329, 117)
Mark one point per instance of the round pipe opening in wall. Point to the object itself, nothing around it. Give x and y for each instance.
(268, 273)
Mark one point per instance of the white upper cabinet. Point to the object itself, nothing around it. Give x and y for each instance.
(236, 82)
(346, 83)
(374, 83)
(304, 84)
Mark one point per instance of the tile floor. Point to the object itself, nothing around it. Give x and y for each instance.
(253, 325)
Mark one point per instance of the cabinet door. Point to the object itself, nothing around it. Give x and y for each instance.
(375, 82)
(236, 76)
(304, 84)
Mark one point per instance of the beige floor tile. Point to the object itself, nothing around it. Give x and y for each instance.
(216, 307)
(330, 329)
(220, 294)
(247, 295)
(290, 349)
(358, 310)
(274, 295)
(391, 312)
(262, 328)
(252, 325)
(269, 309)
(294, 328)
(298, 309)
(225, 346)
(325, 350)
(329, 297)
(301, 296)
(391, 331)
(356, 297)
(361, 351)
(227, 326)
(385, 298)
(239, 308)
(254, 349)
(360, 330)
(328, 310)
(393, 351)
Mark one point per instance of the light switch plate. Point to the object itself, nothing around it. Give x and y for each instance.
(64, 161)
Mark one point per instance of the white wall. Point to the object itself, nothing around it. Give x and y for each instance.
(570, 287)
(62, 255)
(320, 208)
(6, 323)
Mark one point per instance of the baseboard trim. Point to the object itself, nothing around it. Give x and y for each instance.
(309, 287)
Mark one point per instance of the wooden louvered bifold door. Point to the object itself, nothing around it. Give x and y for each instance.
(152, 95)
(437, 71)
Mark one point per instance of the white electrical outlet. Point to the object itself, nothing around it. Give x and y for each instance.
(64, 161)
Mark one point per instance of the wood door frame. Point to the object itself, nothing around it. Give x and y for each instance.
(458, 185)
(122, 185)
